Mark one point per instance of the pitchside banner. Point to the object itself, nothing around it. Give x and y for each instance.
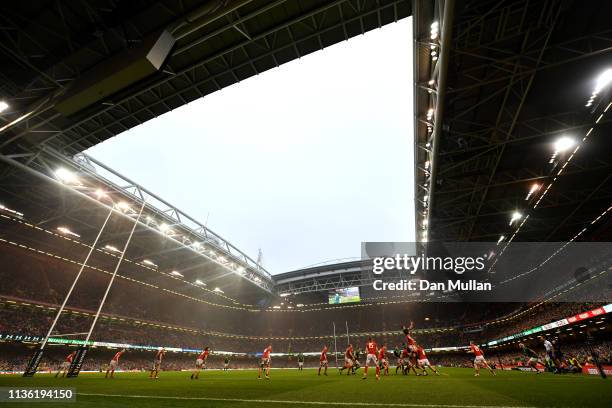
(488, 271)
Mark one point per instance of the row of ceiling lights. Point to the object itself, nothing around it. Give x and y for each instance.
(70, 178)
(148, 262)
(429, 118)
(561, 147)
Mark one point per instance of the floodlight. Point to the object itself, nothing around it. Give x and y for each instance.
(175, 273)
(534, 187)
(501, 238)
(66, 231)
(111, 248)
(515, 217)
(218, 290)
(100, 194)
(431, 82)
(164, 227)
(66, 176)
(3, 106)
(604, 79)
(123, 206)
(284, 294)
(148, 262)
(199, 282)
(564, 143)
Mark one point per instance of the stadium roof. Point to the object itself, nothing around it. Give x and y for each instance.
(502, 82)
(76, 74)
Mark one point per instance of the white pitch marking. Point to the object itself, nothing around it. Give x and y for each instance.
(363, 404)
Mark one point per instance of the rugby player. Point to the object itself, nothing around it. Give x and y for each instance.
(323, 361)
(348, 360)
(66, 364)
(383, 363)
(479, 359)
(531, 356)
(200, 363)
(423, 362)
(113, 364)
(265, 362)
(371, 350)
(159, 356)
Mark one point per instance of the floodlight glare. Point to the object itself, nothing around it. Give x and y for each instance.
(175, 273)
(123, 206)
(564, 143)
(100, 194)
(148, 262)
(218, 290)
(501, 238)
(66, 231)
(66, 176)
(199, 282)
(515, 217)
(111, 248)
(603, 80)
(3, 106)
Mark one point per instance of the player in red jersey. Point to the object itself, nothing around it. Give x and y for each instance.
(371, 350)
(113, 364)
(66, 364)
(265, 362)
(383, 363)
(423, 362)
(200, 363)
(323, 361)
(349, 358)
(479, 359)
(159, 356)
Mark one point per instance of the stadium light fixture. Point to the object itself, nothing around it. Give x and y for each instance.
(501, 239)
(275, 307)
(3, 106)
(431, 82)
(100, 194)
(199, 282)
(515, 217)
(300, 305)
(111, 248)
(564, 143)
(66, 176)
(218, 290)
(123, 206)
(17, 213)
(435, 30)
(66, 231)
(165, 228)
(176, 273)
(534, 187)
(603, 80)
(196, 245)
(149, 262)
(284, 294)
(241, 270)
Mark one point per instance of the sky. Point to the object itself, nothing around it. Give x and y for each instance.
(304, 161)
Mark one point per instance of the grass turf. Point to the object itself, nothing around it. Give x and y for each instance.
(291, 388)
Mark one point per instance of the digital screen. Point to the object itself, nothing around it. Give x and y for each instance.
(345, 295)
